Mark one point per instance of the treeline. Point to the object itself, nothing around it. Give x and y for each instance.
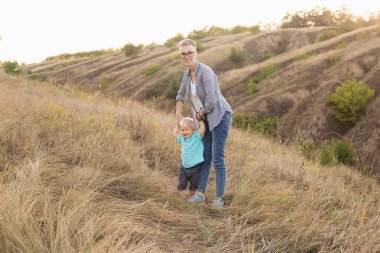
(341, 19)
(213, 31)
(89, 54)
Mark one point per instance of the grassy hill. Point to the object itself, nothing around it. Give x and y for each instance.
(83, 173)
(286, 75)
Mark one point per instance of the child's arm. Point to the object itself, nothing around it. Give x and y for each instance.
(202, 128)
(176, 132)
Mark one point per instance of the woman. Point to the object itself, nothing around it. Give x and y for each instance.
(200, 86)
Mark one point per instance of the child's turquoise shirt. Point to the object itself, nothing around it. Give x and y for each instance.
(192, 149)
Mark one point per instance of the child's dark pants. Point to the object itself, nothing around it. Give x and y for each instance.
(188, 175)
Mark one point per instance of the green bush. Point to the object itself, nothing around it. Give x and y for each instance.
(11, 67)
(236, 54)
(132, 50)
(37, 77)
(254, 29)
(307, 147)
(171, 90)
(198, 34)
(326, 154)
(200, 47)
(341, 45)
(173, 42)
(152, 68)
(349, 101)
(337, 151)
(302, 57)
(89, 54)
(251, 86)
(266, 126)
(364, 36)
(104, 82)
(329, 34)
(267, 55)
(335, 58)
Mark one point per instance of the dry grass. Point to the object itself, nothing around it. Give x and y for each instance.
(85, 174)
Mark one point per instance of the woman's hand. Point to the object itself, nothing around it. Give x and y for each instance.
(200, 115)
(179, 118)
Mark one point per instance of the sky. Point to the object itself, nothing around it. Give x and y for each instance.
(31, 30)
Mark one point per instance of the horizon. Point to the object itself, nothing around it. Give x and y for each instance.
(42, 28)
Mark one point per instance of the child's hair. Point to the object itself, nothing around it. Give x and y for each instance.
(188, 122)
(187, 42)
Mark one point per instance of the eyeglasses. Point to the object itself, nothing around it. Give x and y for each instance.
(189, 54)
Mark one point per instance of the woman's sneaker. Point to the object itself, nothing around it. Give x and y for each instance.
(218, 202)
(196, 198)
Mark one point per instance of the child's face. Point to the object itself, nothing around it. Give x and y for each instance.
(186, 131)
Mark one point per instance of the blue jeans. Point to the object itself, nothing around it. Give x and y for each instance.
(215, 143)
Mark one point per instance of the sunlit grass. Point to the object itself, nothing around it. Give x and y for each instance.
(81, 173)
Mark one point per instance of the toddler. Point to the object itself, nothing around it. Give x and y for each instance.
(192, 153)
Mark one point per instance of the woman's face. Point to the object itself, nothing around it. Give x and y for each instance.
(188, 55)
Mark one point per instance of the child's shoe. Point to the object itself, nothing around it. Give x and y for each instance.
(218, 202)
(196, 198)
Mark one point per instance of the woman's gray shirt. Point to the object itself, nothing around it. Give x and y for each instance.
(207, 87)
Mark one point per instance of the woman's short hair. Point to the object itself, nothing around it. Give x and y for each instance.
(187, 42)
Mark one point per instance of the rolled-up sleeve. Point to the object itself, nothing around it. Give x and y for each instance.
(181, 96)
(209, 83)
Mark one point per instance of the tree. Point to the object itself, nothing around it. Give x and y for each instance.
(349, 101)
(11, 67)
(132, 50)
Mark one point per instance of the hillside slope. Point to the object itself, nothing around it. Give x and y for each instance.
(81, 173)
(305, 70)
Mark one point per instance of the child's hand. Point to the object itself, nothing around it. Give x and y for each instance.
(176, 131)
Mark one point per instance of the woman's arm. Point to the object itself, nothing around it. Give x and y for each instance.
(209, 82)
(180, 99)
(178, 111)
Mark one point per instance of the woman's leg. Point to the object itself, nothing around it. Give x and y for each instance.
(219, 143)
(206, 165)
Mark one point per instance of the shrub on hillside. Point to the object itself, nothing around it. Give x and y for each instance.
(329, 34)
(171, 90)
(132, 50)
(152, 68)
(198, 34)
(173, 42)
(302, 57)
(89, 54)
(37, 77)
(307, 147)
(266, 126)
(236, 54)
(251, 86)
(337, 151)
(200, 47)
(104, 82)
(11, 67)
(363, 36)
(335, 58)
(341, 45)
(349, 101)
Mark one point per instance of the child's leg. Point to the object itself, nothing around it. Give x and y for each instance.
(194, 180)
(191, 193)
(182, 183)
